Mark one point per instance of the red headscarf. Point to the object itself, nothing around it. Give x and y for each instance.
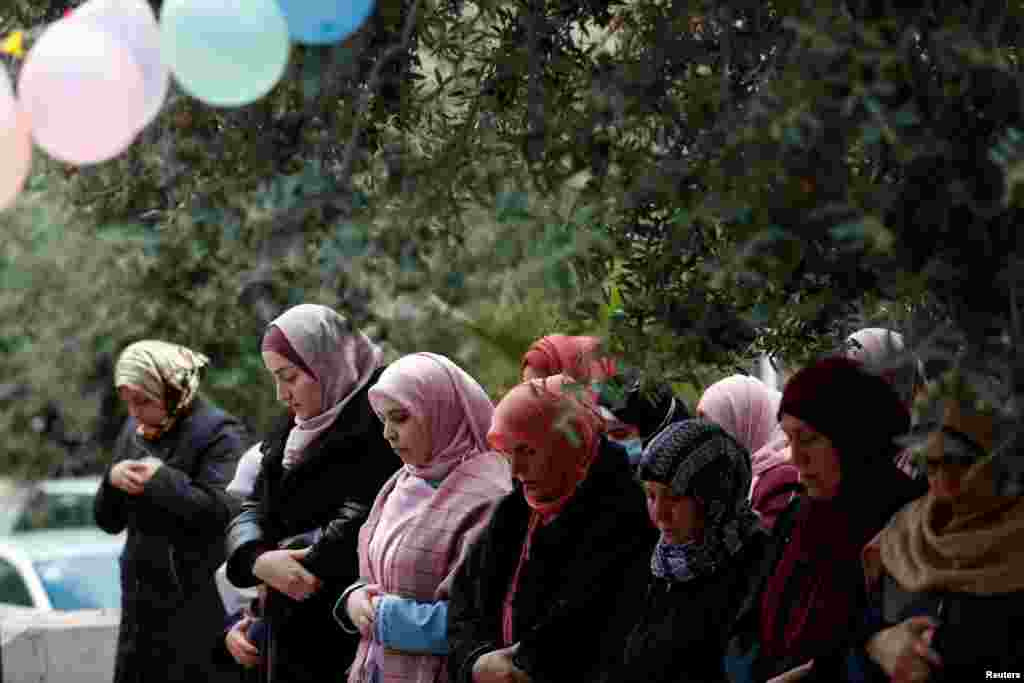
(577, 357)
(557, 417)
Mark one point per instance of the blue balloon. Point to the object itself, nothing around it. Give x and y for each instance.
(322, 22)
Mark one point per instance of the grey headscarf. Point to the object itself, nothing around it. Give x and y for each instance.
(697, 458)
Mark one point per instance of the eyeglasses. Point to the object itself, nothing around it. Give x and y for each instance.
(935, 466)
(960, 451)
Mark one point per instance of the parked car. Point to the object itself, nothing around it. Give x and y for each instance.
(61, 569)
(47, 504)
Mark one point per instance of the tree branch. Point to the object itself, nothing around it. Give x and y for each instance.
(372, 84)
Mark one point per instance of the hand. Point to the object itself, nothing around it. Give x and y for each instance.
(127, 478)
(238, 643)
(281, 570)
(794, 674)
(361, 606)
(145, 468)
(904, 651)
(497, 667)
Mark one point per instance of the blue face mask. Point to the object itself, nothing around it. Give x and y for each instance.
(634, 449)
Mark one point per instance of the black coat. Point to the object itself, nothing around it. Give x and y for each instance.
(977, 633)
(571, 614)
(170, 607)
(891, 491)
(332, 488)
(683, 629)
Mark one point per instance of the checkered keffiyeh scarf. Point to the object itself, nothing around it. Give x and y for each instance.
(698, 458)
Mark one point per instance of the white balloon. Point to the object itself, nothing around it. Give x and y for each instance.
(82, 92)
(133, 24)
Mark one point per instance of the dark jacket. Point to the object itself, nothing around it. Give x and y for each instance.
(892, 490)
(332, 489)
(170, 604)
(977, 633)
(683, 629)
(571, 614)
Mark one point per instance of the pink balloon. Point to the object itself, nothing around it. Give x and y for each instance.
(15, 144)
(83, 93)
(132, 23)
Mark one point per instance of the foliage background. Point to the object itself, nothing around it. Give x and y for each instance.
(699, 182)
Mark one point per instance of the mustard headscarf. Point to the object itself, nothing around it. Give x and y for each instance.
(156, 366)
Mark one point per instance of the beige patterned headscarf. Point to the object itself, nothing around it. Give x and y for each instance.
(972, 545)
(154, 366)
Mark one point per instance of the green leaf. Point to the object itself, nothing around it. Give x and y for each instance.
(455, 280)
(314, 180)
(208, 215)
(313, 66)
(905, 118)
(38, 182)
(853, 231)
(14, 344)
(792, 136)
(350, 240)
(871, 135)
(129, 234)
(512, 206)
(759, 315)
(231, 229)
(682, 217)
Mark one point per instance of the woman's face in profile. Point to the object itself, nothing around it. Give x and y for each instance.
(296, 389)
(815, 458)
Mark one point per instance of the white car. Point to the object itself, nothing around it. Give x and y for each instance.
(61, 569)
(47, 504)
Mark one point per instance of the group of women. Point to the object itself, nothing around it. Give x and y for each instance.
(398, 526)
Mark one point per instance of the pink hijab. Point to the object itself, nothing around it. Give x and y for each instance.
(559, 354)
(426, 518)
(748, 409)
(455, 408)
(342, 358)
